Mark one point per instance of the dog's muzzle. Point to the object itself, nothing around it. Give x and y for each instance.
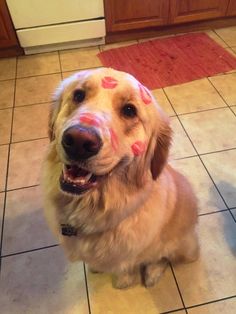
(80, 142)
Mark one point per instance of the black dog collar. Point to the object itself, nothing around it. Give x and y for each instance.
(68, 230)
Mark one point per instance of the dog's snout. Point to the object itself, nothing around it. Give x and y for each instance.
(81, 142)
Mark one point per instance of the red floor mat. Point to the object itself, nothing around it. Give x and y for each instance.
(170, 61)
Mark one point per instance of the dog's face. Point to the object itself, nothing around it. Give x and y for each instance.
(104, 121)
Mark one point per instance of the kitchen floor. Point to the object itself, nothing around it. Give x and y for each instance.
(35, 276)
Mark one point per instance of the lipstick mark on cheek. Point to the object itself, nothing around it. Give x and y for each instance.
(114, 139)
(138, 148)
(109, 82)
(90, 119)
(145, 94)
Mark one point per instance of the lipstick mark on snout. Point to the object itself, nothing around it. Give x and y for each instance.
(90, 119)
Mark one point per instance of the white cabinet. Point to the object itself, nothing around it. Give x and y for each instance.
(42, 24)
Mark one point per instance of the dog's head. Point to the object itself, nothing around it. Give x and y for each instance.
(104, 122)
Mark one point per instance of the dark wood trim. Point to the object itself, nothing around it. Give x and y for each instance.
(11, 52)
(9, 44)
(170, 29)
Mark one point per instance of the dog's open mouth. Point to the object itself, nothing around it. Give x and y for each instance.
(76, 180)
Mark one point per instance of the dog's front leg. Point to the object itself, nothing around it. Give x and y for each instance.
(128, 278)
(153, 272)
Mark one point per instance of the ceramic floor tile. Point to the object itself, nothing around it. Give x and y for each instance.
(7, 89)
(211, 277)
(234, 49)
(220, 307)
(225, 84)
(228, 34)
(5, 125)
(30, 122)
(181, 145)
(163, 101)
(234, 109)
(2, 196)
(25, 163)
(3, 165)
(208, 130)
(34, 90)
(216, 38)
(194, 96)
(7, 68)
(220, 166)
(208, 197)
(44, 63)
(118, 45)
(24, 215)
(68, 74)
(233, 211)
(137, 300)
(42, 282)
(79, 59)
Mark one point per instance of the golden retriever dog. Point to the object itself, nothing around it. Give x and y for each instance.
(111, 199)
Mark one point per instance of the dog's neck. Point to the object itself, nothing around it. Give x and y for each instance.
(101, 209)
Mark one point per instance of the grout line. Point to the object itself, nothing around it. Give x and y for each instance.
(87, 289)
(7, 168)
(214, 212)
(204, 164)
(22, 188)
(29, 251)
(210, 302)
(203, 110)
(59, 58)
(33, 104)
(227, 46)
(173, 311)
(181, 297)
(29, 140)
(37, 75)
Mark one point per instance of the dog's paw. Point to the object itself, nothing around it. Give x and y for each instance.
(125, 281)
(152, 274)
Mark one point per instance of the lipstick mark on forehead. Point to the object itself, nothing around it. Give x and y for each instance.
(138, 148)
(145, 94)
(114, 139)
(109, 82)
(90, 119)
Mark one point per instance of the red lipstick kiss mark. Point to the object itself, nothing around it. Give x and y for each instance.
(145, 94)
(90, 119)
(109, 82)
(114, 139)
(138, 148)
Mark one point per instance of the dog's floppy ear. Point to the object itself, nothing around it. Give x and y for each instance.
(54, 110)
(56, 106)
(162, 145)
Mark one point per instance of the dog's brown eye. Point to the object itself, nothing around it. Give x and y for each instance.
(79, 95)
(129, 111)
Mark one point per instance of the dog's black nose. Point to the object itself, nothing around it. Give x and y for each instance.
(80, 142)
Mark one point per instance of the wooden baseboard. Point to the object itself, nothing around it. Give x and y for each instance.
(11, 52)
(170, 29)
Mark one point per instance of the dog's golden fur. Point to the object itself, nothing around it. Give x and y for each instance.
(143, 213)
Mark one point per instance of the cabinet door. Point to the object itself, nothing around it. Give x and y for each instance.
(135, 14)
(192, 10)
(232, 8)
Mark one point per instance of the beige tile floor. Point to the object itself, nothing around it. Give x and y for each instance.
(35, 277)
